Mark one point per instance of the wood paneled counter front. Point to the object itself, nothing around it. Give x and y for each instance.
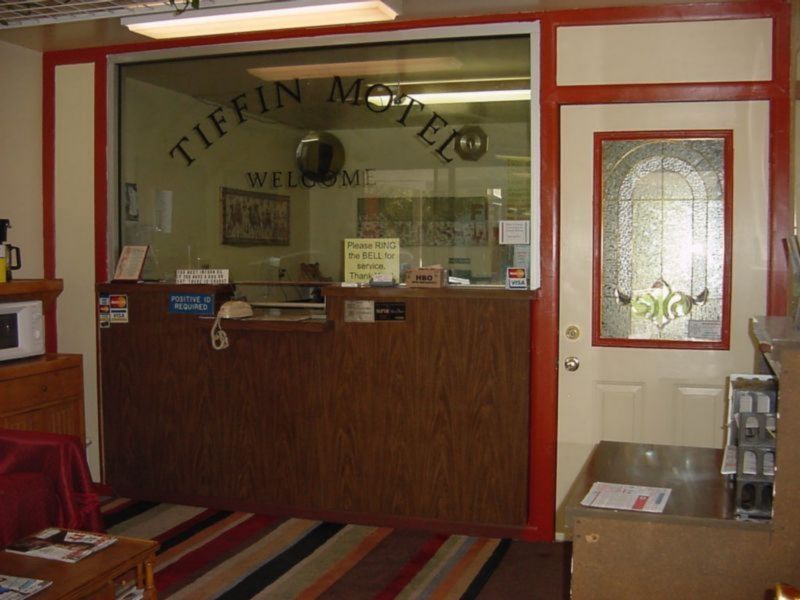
(424, 419)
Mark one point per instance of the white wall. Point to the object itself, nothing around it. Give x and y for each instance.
(21, 165)
(74, 238)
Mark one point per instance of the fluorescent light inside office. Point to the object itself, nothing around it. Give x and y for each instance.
(365, 67)
(459, 97)
(260, 17)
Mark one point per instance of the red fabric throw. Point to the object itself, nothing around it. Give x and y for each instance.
(28, 503)
(61, 459)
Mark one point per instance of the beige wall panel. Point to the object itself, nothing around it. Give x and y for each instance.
(738, 50)
(21, 167)
(74, 216)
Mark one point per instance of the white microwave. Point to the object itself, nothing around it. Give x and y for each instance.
(21, 329)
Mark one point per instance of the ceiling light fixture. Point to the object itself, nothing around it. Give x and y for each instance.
(463, 97)
(261, 16)
(365, 67)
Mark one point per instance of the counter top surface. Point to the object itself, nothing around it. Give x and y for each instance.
(699, 491)
(451, 292)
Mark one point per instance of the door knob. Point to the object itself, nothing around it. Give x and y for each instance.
(572, 363)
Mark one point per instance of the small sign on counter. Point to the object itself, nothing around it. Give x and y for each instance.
(426, 277)
(369, 311)
(367, 257)
(516, 278)
(112, 308)
(191, 304)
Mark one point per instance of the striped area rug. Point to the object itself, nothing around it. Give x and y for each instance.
(208, 553)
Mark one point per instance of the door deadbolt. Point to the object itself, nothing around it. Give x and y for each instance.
(572, 332)
(572, 363)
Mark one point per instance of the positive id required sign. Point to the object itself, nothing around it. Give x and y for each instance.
(191, 304)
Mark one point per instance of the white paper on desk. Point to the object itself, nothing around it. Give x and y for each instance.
(627, 497)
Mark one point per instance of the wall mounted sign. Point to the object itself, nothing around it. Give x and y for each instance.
(359, 311)
(390, 311)
(515, 232)
(369, 311)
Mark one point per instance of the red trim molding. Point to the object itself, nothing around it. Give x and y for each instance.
(544, 311)
(100, 171)
(780, 168)
(48, 194)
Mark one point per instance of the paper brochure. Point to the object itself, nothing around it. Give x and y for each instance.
(627, 497)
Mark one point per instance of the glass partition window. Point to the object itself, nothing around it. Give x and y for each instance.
(266, 163)
(662, 239)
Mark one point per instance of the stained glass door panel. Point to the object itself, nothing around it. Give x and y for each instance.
(662, 225)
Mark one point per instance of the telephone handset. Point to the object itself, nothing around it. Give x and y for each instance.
(233, 309)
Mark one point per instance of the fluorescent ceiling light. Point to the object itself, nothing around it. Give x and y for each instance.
(260, 17)
(462, 97)
(365, 67)
(471, 81)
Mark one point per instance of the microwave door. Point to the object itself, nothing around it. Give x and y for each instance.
(9, 336)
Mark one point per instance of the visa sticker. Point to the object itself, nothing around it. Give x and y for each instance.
(516, 278)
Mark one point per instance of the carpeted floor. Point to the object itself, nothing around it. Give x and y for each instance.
(219, 554)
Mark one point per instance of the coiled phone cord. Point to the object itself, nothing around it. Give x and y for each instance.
(219, 339)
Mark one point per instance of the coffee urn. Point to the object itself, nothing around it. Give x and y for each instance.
(10, 259)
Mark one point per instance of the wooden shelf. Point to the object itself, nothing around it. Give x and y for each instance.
(773, 335)
(309, 326)
(46, 290)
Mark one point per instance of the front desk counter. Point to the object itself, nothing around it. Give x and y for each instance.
(422, 416)
(694, 549)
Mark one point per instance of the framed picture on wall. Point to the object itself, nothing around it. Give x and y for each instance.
(254, 218)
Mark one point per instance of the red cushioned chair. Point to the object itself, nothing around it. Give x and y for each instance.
(44, 482)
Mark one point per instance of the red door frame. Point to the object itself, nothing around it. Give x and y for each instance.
(544, 310)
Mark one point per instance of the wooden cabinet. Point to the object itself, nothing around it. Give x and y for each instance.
(43, 394)
(696, 548)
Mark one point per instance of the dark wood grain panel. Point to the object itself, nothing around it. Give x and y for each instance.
(424, 418)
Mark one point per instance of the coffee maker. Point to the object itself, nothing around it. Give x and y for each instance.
(10, 259)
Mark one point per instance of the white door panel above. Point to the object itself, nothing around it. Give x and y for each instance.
(621, 411)
(699, 416)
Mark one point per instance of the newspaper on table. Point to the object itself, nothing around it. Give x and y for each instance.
(18, 588)
(61, 544)
(627, 497)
